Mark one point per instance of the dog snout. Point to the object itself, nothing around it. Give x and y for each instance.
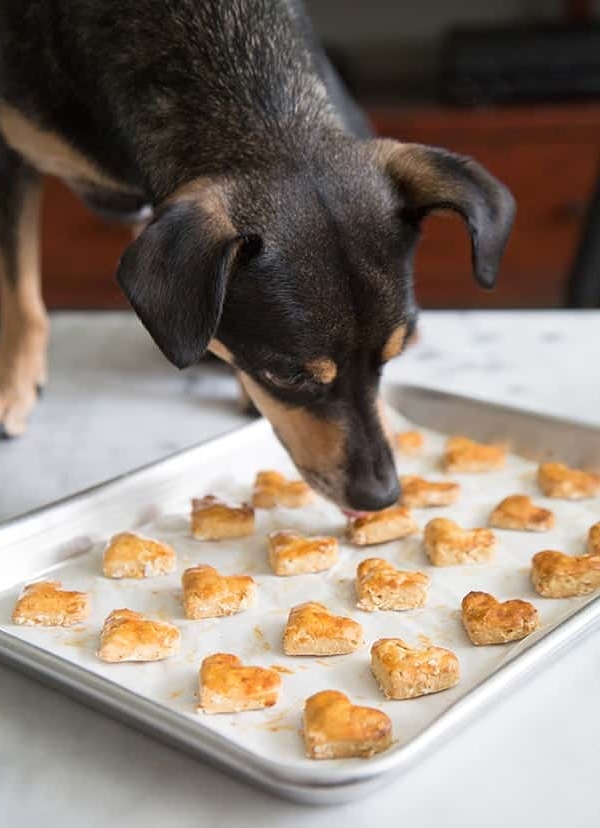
(370, 492)
(373, 487)
(368, 488)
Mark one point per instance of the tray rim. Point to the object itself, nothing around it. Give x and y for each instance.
(389, 389)
(307, 785)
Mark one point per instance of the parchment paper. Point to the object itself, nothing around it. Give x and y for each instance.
(256, 635)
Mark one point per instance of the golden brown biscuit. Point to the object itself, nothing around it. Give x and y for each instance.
(555, 575)
(47, 604)
(227, 686)
(447, 544)
(206, 594)
(593, 540)
(333, 728)
(381, 527)
(418, 493)
(294, 554)
(488, 621)
(558, 480)
(380, 586)
(405, 673)
(312, 629)
(518, 512)
(213, 519)
(272, 489)
(130, 636)
(128, 555)
(464, 455)
(410, 443)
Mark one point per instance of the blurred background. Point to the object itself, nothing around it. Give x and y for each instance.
(515, 83)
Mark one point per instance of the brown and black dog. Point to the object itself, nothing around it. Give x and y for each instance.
(282, 234)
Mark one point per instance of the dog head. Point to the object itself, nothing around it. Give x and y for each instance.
(301, 277)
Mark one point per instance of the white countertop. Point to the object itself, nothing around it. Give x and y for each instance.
(114, 403)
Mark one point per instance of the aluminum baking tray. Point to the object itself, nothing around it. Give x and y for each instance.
(264, 748)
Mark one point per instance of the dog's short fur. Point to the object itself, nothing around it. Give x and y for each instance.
(282, 236)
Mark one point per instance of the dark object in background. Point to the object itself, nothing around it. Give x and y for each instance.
(583, 289)
(523, 64)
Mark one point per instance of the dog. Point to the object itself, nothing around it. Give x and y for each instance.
(282, 232)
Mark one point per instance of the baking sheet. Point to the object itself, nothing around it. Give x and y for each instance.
(272, 736)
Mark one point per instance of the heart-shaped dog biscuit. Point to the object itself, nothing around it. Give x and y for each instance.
(206, 594)
(555, 575)
(292, 554)
(128, 555)
(47, 604)
(334, 728)
(313, 630)
(130, 636)
(518, 512)
(381, 527)
(410, 443)
(560, 481)
(403, 672)
(489, 621)
(213, 519)
(418, 493)
(272, 489)
(447, 544)
(464, 455)
(593, 540)
(380, 586)
(227, 686)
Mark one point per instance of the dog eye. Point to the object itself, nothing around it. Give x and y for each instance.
(287, 382)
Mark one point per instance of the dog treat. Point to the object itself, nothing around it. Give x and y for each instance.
(227, 686)
(447, 544)
(272, 489)
(380, 586)
(381, 527)
(418, 493)
(403, 672)
(464, 455)
(410, 443)
(47, 604)
(593, 540)
(128, 555)
(558, 480)
(206, 594)
(130, 636)
(556, 575)
(334, 728)
(488, 621)
(294, 554)
(213, 519)
(313, 630)
(518, 512)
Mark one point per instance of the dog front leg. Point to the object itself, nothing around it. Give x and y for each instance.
(23, 317)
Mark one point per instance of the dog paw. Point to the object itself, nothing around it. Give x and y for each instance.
(22, 378)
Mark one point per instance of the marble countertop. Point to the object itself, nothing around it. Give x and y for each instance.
(114, 403)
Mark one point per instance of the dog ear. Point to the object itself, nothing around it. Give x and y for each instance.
(175, 273)
(429, 179)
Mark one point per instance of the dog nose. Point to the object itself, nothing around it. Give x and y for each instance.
(374, 490)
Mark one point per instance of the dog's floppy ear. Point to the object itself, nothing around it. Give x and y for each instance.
(429, 179)
(175, 273)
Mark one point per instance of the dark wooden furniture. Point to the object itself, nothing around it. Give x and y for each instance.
(549, 156)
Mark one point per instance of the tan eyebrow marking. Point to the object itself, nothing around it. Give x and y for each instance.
(322, 369)
(394, 344)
